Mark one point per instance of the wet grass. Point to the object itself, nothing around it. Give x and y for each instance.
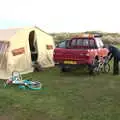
(65, 96)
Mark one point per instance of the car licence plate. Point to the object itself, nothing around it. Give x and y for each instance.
(70, 62)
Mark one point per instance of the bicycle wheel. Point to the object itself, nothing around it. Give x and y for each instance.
(106, 68)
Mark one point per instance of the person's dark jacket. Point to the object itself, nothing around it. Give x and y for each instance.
(114, 51)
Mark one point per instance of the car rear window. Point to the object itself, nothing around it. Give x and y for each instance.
(79, 42)
(83, 43)
(73, 43)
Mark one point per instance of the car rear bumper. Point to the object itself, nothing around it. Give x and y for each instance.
(73, 65)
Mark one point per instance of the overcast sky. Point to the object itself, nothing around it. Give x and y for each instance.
(61, 15)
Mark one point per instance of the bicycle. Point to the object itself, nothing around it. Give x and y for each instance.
(102, 65)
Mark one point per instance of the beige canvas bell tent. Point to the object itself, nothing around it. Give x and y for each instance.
(20, 47)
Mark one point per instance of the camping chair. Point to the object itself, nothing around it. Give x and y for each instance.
(16, 78)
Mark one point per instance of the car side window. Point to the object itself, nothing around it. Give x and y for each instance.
(99, 43)
(62, 44)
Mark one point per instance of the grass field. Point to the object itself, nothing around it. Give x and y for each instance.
(68, 96)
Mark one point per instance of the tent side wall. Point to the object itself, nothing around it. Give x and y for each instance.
(22, 62)
(19, 54)
(45, 55)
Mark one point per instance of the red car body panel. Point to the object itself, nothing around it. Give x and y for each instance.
(79, 54)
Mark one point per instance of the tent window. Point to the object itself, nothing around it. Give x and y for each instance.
(49, 47)
(3, 54)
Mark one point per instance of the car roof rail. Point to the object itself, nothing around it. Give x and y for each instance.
(98, 35)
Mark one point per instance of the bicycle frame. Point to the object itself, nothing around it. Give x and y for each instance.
(101, 65)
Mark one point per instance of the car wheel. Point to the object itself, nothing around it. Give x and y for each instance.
(65, 69)
(93, 68)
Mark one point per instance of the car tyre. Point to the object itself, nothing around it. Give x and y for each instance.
(93, 66)
(65, 69)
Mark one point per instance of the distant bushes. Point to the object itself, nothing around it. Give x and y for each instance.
(108, 38)
(111, 39)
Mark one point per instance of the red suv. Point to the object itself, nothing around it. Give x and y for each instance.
(81, 50)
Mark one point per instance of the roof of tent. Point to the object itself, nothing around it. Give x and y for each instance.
(6, 34)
